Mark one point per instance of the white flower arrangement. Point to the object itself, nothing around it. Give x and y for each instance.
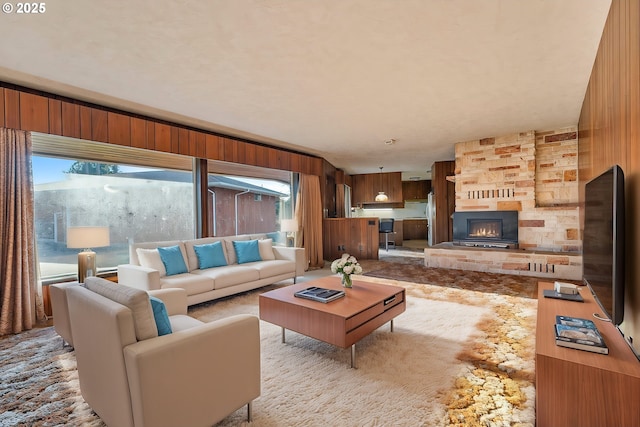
(346, 266)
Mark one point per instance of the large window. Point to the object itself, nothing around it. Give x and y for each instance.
(136, 203)
(243, 205)
(248, 200)
(142, 196)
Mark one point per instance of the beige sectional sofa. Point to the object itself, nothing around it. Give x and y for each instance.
(147, 270)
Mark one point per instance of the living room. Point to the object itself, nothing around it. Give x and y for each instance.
(605, 119)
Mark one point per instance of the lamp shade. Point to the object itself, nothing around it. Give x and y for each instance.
(87, 237)
(289, 225)
(381, 197)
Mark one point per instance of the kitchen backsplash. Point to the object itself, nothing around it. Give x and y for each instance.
(410, 210)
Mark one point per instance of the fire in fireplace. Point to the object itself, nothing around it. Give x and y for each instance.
(489, 229)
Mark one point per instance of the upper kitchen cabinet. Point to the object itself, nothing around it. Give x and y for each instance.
(416, 190)
(365, 188)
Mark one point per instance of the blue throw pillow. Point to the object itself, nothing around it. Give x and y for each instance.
(210, 255)
(247, 251)
(160, 314)
(173, 260)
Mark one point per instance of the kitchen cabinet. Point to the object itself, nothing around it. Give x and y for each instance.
(416, 190)
(414, 229)
(398, 230)
(365, 188)
(356, 236)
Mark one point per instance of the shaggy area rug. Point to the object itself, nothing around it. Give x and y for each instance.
(455, 358)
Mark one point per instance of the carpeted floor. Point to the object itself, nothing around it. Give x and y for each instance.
(492, 385)
(408, 265)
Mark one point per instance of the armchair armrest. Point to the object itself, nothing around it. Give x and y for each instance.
(206, 372)
(60, 309)
(292, 254)
(174, 299)
(138, 277)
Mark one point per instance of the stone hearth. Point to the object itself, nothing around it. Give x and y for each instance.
(556, 265)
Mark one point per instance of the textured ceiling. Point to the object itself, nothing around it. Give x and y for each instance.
(327, 77)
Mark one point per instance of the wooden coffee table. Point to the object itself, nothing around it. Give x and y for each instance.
(342, 322)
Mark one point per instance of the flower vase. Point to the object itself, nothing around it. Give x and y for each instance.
(346, 281)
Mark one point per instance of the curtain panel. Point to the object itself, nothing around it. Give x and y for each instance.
(308, 213)
(19, 301)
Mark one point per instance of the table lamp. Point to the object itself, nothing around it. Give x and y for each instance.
(86, 238)
(289, 226)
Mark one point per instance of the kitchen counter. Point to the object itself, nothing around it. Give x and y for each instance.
(357, 236)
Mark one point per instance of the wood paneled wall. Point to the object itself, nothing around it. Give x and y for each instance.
(444, 192)
(609, 133)
(21, 108)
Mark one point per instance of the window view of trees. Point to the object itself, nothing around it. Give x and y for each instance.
(93, 168)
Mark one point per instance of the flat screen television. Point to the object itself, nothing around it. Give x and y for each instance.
(603, 242)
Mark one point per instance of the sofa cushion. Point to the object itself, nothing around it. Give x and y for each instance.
(247, 251)
(190, 282)
(210, 255)
(181, 322)
(192, 258)
(173, 260)
(274, 267)
(150, 258)
(230, 275)
(160, 315)
(266, 249)
(135, 300)
(229, 249)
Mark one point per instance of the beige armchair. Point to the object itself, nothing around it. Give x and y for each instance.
(130, 376)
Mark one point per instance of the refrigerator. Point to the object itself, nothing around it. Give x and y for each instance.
(343, 201)
(347, 201)
(431, 217)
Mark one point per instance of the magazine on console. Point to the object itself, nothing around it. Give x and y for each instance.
(582, 334)
(320, 294)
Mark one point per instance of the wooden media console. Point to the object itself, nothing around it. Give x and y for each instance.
(580, 388)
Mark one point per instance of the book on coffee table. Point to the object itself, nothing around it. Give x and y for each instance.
(319, 294)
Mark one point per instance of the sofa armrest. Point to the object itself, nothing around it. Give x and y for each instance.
(207, 372)
(292, 254)
(138, 277)
(174, 299)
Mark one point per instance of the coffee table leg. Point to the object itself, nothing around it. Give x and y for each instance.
(391, 325)
(353, 356)
(282, 335)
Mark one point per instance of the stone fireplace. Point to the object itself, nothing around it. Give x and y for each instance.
(532, 174)
(487, 229)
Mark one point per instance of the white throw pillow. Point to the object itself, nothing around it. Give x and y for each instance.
(150, 258)
(266, 249)
(230, 252)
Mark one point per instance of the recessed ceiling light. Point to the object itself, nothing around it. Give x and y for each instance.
(390, 141)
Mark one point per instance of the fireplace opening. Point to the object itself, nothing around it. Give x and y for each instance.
(480, 228)
(489, 229)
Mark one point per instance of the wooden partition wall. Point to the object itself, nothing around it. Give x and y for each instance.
(24, 109)
(609, 131)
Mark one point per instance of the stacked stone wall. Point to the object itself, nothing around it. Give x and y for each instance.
(532, 172)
